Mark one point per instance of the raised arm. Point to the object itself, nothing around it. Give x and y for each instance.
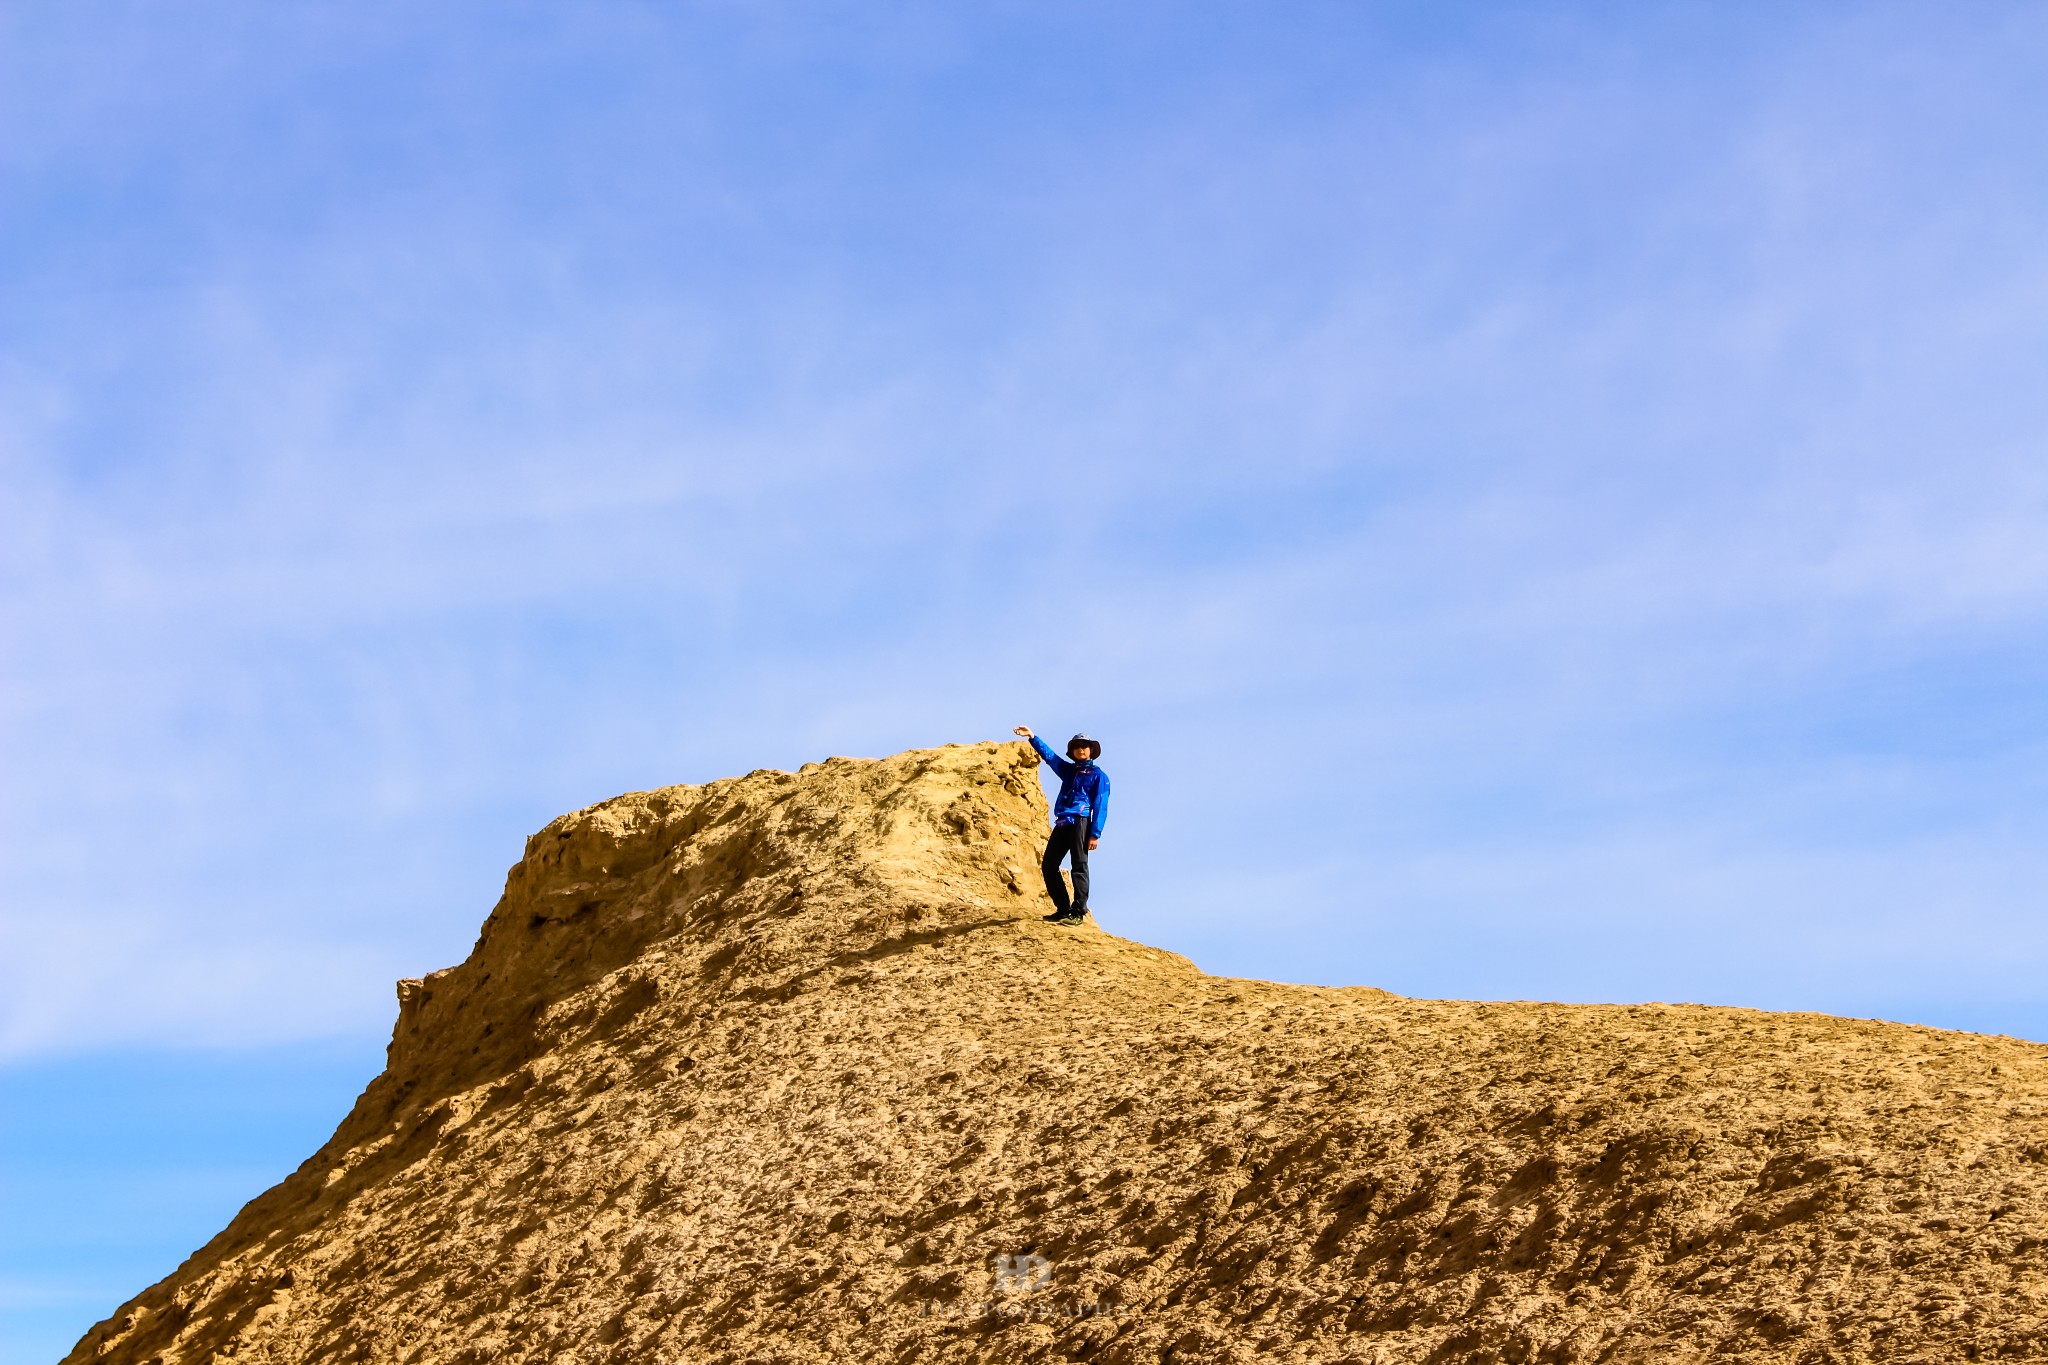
(1058, 764)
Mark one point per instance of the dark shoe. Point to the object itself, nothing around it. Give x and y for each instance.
(1057, 917)
(1068, 917)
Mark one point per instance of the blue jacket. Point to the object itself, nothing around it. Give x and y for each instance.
(1084, 789)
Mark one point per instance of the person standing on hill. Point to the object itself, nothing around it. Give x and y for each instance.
(1077, 819)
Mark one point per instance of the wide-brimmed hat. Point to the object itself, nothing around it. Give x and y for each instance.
(1094, 746)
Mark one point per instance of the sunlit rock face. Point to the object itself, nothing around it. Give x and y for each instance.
(786, 1068)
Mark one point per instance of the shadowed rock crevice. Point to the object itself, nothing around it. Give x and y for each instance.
(776, 1068)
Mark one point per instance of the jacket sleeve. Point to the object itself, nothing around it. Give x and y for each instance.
(1099, 807)
(1058, 764)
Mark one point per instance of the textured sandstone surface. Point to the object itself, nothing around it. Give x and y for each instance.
(776, 1068)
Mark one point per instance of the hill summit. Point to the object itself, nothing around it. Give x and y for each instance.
(786, 1068)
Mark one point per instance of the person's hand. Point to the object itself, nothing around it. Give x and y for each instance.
(1094, 844)
(1022, 731)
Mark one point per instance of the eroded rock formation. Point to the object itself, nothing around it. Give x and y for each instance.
(786, 1068)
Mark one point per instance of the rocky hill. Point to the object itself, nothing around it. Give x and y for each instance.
(786, 1068)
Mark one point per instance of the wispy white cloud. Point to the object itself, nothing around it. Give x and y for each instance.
(143, 977)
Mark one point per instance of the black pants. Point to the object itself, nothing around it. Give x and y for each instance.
(1068, 841)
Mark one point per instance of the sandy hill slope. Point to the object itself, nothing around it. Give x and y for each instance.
(786, 1068)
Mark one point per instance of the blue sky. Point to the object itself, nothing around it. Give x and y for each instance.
(1540, 501)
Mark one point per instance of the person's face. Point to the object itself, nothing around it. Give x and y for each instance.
(1079, 753)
